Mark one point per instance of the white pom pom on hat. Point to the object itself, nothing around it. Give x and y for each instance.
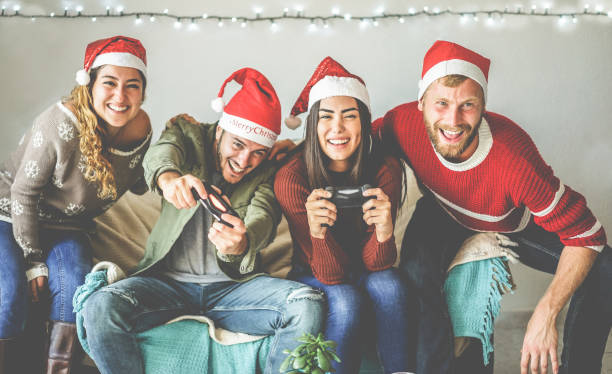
(293, 122)
(82, 77)
(217, 104)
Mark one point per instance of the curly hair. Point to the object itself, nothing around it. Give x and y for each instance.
(92, 135)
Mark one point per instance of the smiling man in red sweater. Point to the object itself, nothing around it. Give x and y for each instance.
(481, 172)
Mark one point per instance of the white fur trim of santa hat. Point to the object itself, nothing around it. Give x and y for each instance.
(248, 129)
(338, 86)
(120, 59)
(450, 67)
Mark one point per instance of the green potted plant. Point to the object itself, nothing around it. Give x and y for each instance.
(313, 356)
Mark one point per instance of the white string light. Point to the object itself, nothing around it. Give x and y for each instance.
(493, 16)
(273, 26)
(313, 26)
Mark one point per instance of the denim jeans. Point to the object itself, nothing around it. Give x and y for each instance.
(349, 305)
(260, 306)
(431, 241)
(69, 259)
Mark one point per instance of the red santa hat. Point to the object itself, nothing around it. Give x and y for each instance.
(117, 50)
(446, 58)
(329, 79)
(254, 112)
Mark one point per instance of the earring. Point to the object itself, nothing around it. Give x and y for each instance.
(370, 140)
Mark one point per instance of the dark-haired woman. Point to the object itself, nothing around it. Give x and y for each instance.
(77, 159)
(348, 253)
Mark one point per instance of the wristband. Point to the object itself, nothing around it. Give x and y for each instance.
(38, 269)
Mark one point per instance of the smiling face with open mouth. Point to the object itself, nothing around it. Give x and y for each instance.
(237, 156)
(117, 95)
(452, 117)
(339, 130)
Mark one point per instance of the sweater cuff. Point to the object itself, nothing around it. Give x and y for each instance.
(328, 264)
(384, 255)
(233, 258)
(38, 269)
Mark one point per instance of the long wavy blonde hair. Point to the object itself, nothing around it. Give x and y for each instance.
(92, 134)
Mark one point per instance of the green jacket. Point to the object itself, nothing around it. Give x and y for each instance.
(188, 149)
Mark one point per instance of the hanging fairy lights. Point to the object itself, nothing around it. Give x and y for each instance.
(314, 22)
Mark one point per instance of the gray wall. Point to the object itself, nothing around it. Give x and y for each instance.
(554, 81)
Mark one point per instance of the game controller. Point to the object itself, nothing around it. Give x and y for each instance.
(215, 204)
(349, 197)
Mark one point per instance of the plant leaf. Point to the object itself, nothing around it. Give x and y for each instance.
(285, 365)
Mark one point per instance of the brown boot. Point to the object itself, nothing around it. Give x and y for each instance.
(62, 346)
(6, 356)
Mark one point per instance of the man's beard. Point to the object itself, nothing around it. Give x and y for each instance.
(451, 153)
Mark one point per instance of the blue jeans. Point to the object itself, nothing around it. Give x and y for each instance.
(260, 306)
(382, 292)
(431, 241)
(69, 260)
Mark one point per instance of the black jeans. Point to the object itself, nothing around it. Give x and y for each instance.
(430, 243)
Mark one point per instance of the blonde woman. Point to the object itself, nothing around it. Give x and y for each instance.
(78, 158)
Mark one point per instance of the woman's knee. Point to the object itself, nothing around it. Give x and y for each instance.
(386, 285)
(71, 259)
(345, 303)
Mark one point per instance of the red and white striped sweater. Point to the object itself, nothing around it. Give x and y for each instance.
(501, 186)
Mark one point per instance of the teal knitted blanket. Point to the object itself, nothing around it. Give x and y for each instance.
(473, 293)
(181, 347)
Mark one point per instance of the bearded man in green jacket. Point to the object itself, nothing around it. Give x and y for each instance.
(194, 264)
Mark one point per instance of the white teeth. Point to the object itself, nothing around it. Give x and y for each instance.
(452, 133)
(117, 108)
(235, 167)
(338, 141)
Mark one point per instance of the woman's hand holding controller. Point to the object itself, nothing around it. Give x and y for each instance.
(378, 212)
(321, 212)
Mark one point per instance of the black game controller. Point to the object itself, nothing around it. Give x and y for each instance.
(349, 197)
(215, 204)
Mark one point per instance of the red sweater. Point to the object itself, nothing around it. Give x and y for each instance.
(504, 185)
(327, 259)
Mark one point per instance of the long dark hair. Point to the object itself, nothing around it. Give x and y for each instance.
(363, 162)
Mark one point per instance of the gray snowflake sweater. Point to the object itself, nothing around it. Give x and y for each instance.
(42, 183)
